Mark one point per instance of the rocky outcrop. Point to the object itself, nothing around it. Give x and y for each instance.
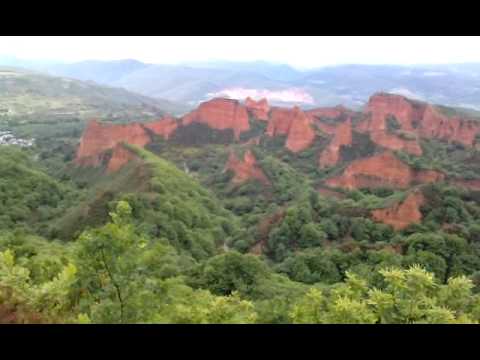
(246, 169)
(381, 105)
(99, 137)
(220, 114)
(259, 109)
(342, 136)
(293, 123)
(383, 170)
(403, 214)
(415, 118)
(164, 127)
(396, 143)
(407, 113)
(120, 157)
(436, 125)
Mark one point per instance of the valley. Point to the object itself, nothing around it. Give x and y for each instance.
(235, 211)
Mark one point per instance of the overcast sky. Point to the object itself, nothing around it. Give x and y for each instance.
(301, 52)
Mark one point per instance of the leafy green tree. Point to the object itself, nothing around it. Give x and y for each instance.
(231, 272)
(311, 235)
(409, 296)
(109, 271)
(51, 300)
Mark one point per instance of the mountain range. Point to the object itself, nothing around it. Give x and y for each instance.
(281, 84)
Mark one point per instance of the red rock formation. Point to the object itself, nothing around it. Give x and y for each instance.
(220, 114)
(381, 105)
(98, 138)
(245, 169)
(259, 108)
(436, 125)
(164, 127)
(342, 137)
(402, 214)
(120, 157)
(394, 142)
(301, 134)
(381, 170)
(414, 117)
(280, 121)
(295, 124)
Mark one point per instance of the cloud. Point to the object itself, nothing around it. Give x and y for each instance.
(290, 95)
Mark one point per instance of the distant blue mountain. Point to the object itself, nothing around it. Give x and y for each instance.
(350, 85)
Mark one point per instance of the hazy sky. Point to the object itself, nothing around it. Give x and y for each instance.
(302, 52)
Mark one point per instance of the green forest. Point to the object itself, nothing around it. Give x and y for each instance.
(153, 244)
(169, 238)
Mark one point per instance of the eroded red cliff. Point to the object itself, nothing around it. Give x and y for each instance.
(293, 123)
(164, 127)
(381, 105)
(245, 169)
(120, 157)
(436, 125)
(402, 214)
(416, 119)
(382, 170)
(259, 108)
(396, 142)
(407, 113)
(342, 136)
(220, 114)
(99, 137)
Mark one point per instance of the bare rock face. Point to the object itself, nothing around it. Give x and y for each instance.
(381, 105)
(301, 134)
(396, 143)
(259, 108)
(120, 157)
(342, 136)
(280, 121)
(245, 169)
(381, 170)
(402, 214)
(407, 113)
(293, 123)
(164, 127)
(436, 125)
(220, 114)
(416, 118)
(98, 138)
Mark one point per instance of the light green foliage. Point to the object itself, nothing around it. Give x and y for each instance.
(126, 278)
(50, 299)
(409, 296)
